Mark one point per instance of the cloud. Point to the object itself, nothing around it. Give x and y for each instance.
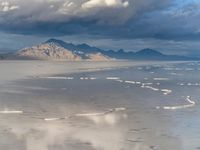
(6, 6)
(104, 3)
(165, 20)
(58, 11)
(30, 15)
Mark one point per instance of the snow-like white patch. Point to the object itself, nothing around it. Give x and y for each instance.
(137, 82)
(166, 91)
(150, 87)
(109, 111)
(93, 78)
(102, 113)
(161, 79)
(147, 83)
(193, 84)
(188, 99)
(181, 84)
(112, 78)
(176, 74)
(189, 84)
(11, 112)
(131, 82)
(84, 78)
(53, 119)
(58, 78)
(70, 78)
(120, 81)
(107, 117)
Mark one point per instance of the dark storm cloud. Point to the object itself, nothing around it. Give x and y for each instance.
(111, 19)
(107, 18)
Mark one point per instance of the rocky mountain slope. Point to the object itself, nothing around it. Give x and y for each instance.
(54, 51)
(48, 51)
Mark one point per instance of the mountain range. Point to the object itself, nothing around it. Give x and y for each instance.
(54, 49)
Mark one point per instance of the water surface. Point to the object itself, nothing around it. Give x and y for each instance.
(86, 105)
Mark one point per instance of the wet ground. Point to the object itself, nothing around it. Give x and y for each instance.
(118, 106)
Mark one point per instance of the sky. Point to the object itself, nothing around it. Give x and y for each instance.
(170, 26)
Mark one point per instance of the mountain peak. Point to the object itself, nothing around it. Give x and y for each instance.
(121, 51)
(48, 51)
(54, 49)
(84, 45)
(148, 51)
(55, 41)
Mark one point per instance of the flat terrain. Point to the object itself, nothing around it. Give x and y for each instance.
(118, 105)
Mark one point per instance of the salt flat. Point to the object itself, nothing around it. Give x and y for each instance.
(83, 105)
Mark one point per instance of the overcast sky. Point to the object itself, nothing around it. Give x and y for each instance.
(171, 26)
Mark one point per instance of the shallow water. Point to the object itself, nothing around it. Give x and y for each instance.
(86, 105)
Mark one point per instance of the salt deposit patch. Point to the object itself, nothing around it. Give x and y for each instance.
(120, 81)
(102, 113)
(147, 83)
(88, 78)
(131, 82)
(151, 88)
(93, 78)
(84, 78)
(166, 91)
(176, 74)
(90, 115)
(147, 86)
(7, 111)
(70, 78)
(53, 119)
(161, 79)
(59, 78)
(108, 117)
(188, 99)
(193, 84)
(112, 78)
(137, 82)
(189, 84)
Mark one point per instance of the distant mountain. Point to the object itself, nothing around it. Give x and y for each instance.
(54, 49)
(150, 54)
(75, 48)
(48, 51)
(58, 50)
(145, 54)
